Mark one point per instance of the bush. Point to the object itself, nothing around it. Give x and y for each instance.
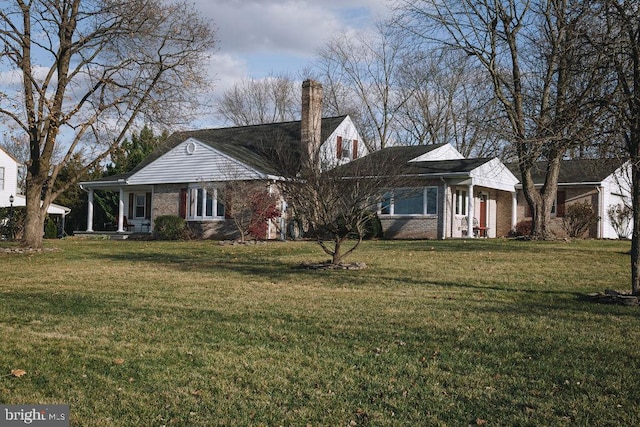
(578, 218)
(523, 228)
(170, 227)
(50, 229)
(15, 225)
(621, 218)
(373, 227)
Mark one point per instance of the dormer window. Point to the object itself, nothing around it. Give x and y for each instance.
(346, 148)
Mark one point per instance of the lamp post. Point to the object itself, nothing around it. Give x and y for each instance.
(11, 199)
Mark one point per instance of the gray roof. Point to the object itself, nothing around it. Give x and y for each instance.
(574, 171)
(263, 147)
(398, 160)
(273, 148)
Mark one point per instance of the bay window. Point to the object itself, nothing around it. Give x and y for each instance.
(205, 202)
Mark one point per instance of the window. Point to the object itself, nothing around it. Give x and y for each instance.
(461, 202)
(1, 178)
(346, 148)
(410, 201)
(140, 206)
(205, 202)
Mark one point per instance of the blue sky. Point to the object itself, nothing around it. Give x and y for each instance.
(257, 38)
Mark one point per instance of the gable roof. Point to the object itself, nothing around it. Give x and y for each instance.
(263, 147)
(401, 158)
(576, 171)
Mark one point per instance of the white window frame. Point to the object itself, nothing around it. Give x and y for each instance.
(143, 197)
(461, 202)
(389, 198)
(197, 197)
(347, 148)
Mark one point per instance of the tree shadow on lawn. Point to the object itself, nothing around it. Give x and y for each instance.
(260, 266)
(531, 301)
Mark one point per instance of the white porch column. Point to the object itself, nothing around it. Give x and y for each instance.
(121, 211)
(514, 210)
(470, 210)
(90, 211)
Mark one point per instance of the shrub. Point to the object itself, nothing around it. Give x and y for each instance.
(621, 217)
(373, 227)
(15, 225)
(170, 227)
(578, 218)
(50, 229)
(523, 228)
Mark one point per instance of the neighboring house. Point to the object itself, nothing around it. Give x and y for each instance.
(9, 186)
(442, 193)
(187, 174)
(600, 182)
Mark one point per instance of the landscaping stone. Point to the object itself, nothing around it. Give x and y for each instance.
(610, 296)
(329, 266)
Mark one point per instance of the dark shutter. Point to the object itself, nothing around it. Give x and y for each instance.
(339, 148)
(182, 208)
(355, 149)
(147, 210)
(561, 197)
(131, 202)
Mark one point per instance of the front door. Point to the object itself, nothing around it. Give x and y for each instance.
(483, 211)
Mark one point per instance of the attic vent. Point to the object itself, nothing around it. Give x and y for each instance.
(191, 147)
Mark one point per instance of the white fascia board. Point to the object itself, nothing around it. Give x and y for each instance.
(446, 152)
(494, 174)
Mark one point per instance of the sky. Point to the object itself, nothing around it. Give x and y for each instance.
(261, 37)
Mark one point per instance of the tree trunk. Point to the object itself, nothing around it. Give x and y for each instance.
(337, 252)
(34, 221)
(635, 239)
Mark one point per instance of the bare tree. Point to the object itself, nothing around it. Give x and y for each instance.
(258, 101)
(449, 101)
(542, 73)
(619, 40)
(360, 73)
(336, 207)
(88, 69)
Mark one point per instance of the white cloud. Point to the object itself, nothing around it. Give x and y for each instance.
(291, 27)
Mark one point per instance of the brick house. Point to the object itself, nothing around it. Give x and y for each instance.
(188, 173)
(600, 182)
(442, 193)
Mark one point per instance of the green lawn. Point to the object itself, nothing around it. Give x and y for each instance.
(491, 332)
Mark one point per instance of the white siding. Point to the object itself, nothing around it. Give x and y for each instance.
(347, 130)
(616, 189)
(446, 152)
(494, 174)
(193, 161)
(10, 186)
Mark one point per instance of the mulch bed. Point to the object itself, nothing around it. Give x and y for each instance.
(329, 266)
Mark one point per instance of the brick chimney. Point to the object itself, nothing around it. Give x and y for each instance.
(311, 122)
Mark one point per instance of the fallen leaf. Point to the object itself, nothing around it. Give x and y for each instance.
(18, 372)
(118, 361)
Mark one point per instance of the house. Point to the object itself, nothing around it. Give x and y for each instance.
(187, 174)
(600, 182)
(441, 193)
(9, 191)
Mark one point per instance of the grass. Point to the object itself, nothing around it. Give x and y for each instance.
(492, 332)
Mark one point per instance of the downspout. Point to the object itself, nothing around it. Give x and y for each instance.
(444, 211)
(601, 212)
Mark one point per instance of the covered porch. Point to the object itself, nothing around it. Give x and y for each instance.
(134, 208)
